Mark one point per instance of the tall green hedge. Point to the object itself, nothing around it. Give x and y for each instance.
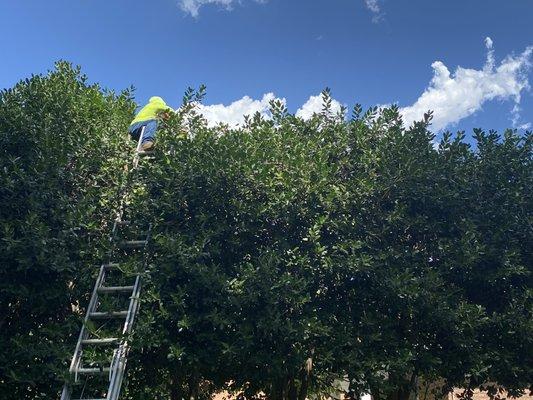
(287, 254)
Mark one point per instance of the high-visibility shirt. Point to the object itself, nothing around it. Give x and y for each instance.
(150, 111)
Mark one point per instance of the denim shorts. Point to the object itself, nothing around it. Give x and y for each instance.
(150, 127)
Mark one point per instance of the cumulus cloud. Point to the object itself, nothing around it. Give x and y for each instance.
(455, 96)
(375, 9)
(315, 105)
(192, 7)
(451, 96)
(233, 114)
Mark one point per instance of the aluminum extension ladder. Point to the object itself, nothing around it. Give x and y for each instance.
(110, 376)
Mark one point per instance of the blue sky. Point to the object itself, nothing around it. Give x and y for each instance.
(367, 51)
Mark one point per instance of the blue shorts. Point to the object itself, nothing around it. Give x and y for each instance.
(150, 127)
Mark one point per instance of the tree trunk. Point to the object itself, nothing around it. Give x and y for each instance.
(414, 386)
(401, 393)
(194, 385)
(293, 392)
(305, 376)
(175, 390)
(285, 388)
(276, 391)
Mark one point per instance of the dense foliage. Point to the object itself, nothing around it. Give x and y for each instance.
(288, 255)
(61, 145)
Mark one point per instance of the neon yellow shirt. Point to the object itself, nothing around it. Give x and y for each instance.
(150, 111)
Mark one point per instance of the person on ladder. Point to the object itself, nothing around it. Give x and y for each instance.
(147, 118)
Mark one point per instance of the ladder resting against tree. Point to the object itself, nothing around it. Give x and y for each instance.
(98, 365)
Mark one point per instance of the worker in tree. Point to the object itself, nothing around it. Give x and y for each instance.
(147, 118)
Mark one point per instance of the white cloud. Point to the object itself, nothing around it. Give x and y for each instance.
(192, 7)
(233, 114)
(315, 105)
(455, 96)
(488, 42)
(375, 8)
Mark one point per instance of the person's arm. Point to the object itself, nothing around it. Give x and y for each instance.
(167, 112)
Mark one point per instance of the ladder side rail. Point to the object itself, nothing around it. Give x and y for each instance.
(120, 357)
(135, 297)
(117, 219)
(133, 307)
(119, 363)
(66, 394)
(115, 225)
(117, 372)
(120, 212)
(121, 192)
(138, 148)
(120, 209)
(90, 308)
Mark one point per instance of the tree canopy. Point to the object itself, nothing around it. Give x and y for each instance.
(287, 254)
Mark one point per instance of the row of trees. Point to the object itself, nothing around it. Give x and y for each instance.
(287, 254)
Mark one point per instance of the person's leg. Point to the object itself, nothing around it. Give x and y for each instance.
(135, 130)
(149, 135)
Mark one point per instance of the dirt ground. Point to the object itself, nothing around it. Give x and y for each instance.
(481, 396)
(452, 396)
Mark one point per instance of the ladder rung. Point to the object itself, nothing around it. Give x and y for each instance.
(111, 265)
(134, 243)
(120, 222)
(113, 289)
(101, 342)
(93, 371)
(108, 314)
